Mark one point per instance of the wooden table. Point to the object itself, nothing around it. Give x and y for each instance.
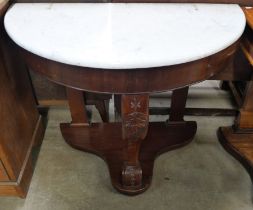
(238, 139)
(130, 50)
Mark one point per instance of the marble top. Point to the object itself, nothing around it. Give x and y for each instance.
(124, 36)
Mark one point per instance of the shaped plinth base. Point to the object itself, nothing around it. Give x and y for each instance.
(239, 145)
(105, 140)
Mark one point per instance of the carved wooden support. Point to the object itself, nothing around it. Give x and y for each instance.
(134, 111)
(77, 107)
(238, 139)
(178, 102)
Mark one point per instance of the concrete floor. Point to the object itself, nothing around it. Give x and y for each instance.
(200, 176)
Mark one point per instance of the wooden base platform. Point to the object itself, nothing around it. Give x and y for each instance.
(105, 140)
(239, 145)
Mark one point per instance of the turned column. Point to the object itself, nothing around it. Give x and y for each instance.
(135, 115)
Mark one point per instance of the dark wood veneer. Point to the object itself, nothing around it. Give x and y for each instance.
(106, 141)
(238, 139)
(21, 125)
(130, 147)
(134, 80)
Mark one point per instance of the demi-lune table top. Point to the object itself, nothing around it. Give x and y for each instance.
(124, 36)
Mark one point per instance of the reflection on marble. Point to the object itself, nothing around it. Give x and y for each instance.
(124, 36)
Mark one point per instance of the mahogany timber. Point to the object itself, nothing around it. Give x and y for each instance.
(239, 69)
(21, 125)
(3, 173)
(129, 147)
(245, 118)
(240, 145)
(130, 81)
(249, 16)
(77, 106)
(105, 140)
(238, 139)
(50, 94)
(134, 114)
(178, 102)
(101, 102)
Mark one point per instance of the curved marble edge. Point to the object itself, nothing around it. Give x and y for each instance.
(106, 63)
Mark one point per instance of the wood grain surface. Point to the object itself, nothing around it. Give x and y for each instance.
(249, 15)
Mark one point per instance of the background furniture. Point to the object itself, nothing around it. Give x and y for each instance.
(238, 139)
(21, 128)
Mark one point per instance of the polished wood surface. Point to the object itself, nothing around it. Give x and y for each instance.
(51, 94)
(129, 147)
(238, 139)
(240, 145)
(249, 15)
(77, 106)
(122, 145)
(145, 80)
(106, 141)
(134, 114)
(3, 174)
(245, 118)
(21, 126)
(247, 45)
(178, 102)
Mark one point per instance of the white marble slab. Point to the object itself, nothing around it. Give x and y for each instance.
(124, 36)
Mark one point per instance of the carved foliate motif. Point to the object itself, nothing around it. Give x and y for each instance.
(135, 120)
(132, 176)
(134, 111)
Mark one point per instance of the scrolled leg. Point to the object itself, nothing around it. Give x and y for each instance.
(135, 117)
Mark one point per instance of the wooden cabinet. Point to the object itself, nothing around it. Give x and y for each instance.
(21, 126)
(3, 173)
(238, 139)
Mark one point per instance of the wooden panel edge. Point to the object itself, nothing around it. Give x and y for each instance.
(21, 186)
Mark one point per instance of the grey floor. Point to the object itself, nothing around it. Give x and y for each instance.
(200, 176)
